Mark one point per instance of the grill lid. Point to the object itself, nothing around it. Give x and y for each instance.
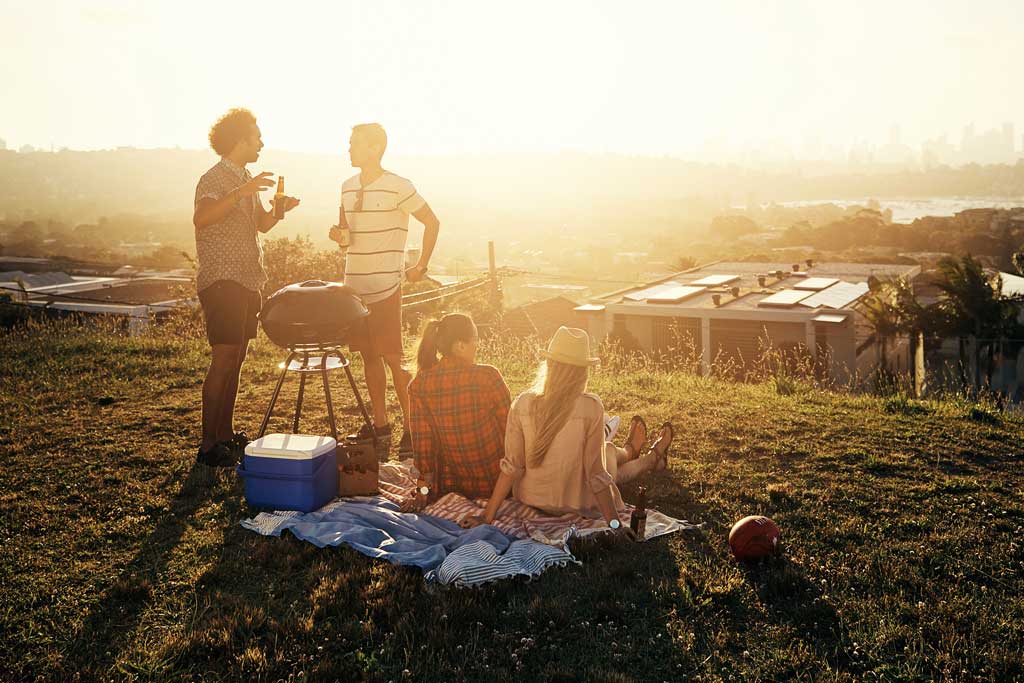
(314, 313)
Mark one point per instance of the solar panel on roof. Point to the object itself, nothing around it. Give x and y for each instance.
(785, 298)
(816, 283)
(715, 280)
(644, 294)
(674, 295)
(839, 295)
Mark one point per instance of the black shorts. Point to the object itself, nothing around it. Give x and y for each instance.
(230, 312)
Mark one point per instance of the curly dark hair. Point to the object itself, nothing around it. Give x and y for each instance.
(230, 129)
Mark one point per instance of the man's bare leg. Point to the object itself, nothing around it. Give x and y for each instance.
(223, 362)
(401, 378)
(226, 428)
(376, 387)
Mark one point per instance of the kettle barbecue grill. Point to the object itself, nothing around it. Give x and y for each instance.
(313, 320)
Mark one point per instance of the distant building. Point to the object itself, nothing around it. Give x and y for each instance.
(540, 318)
(137, 299)
(729, 313)
(3, 145)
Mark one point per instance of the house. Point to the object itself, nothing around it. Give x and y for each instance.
(136, 299)
(540, 318)
(730, 312)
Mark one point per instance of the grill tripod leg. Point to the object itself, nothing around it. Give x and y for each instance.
(298, 403)
(362, 406)
(327, 395)
(273, 399)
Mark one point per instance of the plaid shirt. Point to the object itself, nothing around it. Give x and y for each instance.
(458, 412)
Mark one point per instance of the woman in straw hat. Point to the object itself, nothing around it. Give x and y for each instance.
(556, 458)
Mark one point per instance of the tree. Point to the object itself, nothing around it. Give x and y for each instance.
(883, 315)
(1018, 262)
(731, 227)
(683, 263)
(975, 307)
(295, 260)
(892, 308)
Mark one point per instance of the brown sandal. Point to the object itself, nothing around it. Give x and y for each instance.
(663, 455)
(635, 423)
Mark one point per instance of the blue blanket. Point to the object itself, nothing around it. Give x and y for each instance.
(376, 528)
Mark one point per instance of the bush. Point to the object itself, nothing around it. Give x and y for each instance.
(294, 260)
(11, 313)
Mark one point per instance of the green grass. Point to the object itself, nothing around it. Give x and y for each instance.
(902, 527)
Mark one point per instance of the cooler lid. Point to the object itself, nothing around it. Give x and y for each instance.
(294, 446)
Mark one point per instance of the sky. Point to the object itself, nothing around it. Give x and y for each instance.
(480, 77)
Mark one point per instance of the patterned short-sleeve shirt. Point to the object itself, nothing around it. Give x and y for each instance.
(230, 249)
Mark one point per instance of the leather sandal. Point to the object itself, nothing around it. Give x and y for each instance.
(663, 455)
(635, 423)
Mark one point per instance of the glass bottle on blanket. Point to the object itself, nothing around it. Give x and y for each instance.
(638, 520)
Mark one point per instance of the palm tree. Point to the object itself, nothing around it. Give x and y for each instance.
(975, 306)
(883, 316)
(892, 309)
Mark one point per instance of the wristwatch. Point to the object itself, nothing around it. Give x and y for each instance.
(614, 525)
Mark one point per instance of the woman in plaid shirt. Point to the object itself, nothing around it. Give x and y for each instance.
(457, 413)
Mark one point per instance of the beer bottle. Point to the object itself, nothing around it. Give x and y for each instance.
(638, 520)
(279, 199)
(341, 233)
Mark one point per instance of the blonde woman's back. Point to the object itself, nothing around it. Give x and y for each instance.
(573, 467)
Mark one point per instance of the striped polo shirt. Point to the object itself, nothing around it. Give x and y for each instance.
(380, 226)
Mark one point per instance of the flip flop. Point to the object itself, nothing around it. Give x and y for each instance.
(636, 422)
(663, 456)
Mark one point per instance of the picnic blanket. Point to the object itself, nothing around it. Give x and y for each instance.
(521, 542)
(397, 481)
(445, 552)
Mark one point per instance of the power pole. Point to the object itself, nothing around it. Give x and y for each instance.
(495, 285)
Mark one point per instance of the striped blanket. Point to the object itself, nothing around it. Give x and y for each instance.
(398, 480)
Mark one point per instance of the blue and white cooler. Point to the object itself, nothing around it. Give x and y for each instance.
(290, 472)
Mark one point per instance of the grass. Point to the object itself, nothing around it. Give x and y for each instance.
(902, 527)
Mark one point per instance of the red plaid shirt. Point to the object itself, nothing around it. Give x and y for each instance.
(458, 412)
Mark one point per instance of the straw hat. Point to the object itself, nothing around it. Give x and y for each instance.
(570, 345)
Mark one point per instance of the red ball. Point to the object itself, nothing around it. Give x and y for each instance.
(754, 537)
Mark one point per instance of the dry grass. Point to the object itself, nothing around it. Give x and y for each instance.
(902, 527)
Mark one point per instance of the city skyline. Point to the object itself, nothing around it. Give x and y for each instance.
(998, 145)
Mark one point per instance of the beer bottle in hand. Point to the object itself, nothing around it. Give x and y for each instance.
(341, 233)
(638, 520)
(279, 199)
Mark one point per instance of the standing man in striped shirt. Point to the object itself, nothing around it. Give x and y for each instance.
(377, 205)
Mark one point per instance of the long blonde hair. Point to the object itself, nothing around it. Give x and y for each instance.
(556, 389)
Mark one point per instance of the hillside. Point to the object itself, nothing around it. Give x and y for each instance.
(902, 527)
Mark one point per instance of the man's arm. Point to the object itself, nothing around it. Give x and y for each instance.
(210, 211)
(431, 228)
